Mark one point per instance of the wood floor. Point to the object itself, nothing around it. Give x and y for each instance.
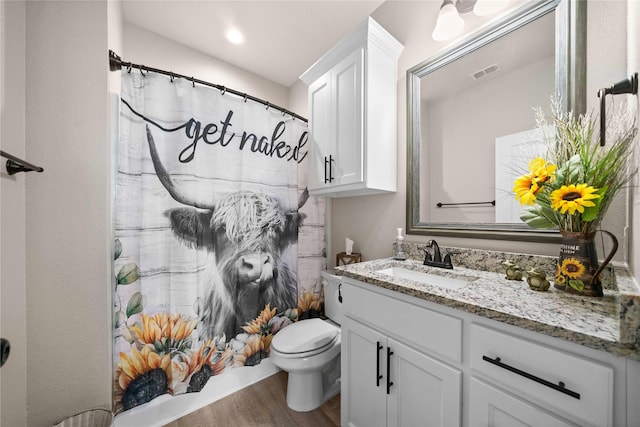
(261, 405)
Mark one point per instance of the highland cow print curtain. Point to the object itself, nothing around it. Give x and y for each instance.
(218, 246)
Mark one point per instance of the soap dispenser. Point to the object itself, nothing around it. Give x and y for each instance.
(400, 256)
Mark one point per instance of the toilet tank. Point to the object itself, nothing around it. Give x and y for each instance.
(331, 288)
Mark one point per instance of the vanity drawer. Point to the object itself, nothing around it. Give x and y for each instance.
(415, 325)
(562, 382)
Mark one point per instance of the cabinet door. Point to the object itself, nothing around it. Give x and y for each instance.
(321, 133)
(491, 407)
(349, 120)
(425, 392)
(363, 399)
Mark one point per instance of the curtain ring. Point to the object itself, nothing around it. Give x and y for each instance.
(245, 97)
(284, 112)
(129, 68)
(141, 72)
(223, 90)
(268, 106)
(193, 82)
(172, 77)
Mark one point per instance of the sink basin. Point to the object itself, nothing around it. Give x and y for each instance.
(425, 278)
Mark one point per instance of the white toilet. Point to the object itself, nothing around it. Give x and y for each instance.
(309, 350)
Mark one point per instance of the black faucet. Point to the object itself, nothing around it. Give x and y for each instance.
(436, 260)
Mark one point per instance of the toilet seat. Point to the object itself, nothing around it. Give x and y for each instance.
(305, 338)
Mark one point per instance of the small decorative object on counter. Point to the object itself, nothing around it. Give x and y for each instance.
(512, 271)
(572, 188)
(537, 279)
(400, 255)
(578, 267)
(342, 258)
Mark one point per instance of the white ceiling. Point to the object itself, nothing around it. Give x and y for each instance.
(282, 38)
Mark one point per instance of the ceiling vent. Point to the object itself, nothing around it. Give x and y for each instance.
(485, 72)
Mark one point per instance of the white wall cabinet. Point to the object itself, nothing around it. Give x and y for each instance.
(352, 105)
(447, 367)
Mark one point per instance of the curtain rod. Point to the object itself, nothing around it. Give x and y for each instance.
(116, 63)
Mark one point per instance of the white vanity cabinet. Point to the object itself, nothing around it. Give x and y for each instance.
(490, 406)
(410, 362)
(580, 388)
(352, 115)
(389, 377)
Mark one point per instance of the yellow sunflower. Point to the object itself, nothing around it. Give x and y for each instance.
(201, 357)
(266, 342)
(170, 331)
(560, 279)
(572, 268)
(309, 305)
(252, 352)
(204, 364)
(527, 186)
(573, 198)
(141, 376)
(260, 325)
(541, 170)
(525, 189)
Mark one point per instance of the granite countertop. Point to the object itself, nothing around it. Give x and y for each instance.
(608, 324)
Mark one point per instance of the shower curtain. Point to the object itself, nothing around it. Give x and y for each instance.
(217, 244)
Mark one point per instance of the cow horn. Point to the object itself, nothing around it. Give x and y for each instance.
(167, 182)
(303, 198)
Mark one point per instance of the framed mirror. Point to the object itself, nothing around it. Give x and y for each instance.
(471, 121)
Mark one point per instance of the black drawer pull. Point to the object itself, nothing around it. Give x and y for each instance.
(331, 160)
(326, 162)
(389, 382)
(559, 387)
(378, 376)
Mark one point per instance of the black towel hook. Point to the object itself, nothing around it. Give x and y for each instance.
(15, 164)
(629, 85)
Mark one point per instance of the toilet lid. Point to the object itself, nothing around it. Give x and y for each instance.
(304, 336)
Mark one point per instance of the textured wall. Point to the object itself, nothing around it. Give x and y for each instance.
(13, 304)
(67, 210)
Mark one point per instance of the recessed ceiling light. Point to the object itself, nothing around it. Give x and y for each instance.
(235, 36)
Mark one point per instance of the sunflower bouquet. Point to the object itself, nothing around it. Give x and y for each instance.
(572, 188)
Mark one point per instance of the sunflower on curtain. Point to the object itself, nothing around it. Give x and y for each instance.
(210, 206)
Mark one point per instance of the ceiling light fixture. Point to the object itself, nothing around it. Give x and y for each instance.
(235, 36)
(450, 23)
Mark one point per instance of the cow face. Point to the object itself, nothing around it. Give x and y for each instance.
(246, 233)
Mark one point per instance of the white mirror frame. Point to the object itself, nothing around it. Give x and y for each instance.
(570, 39)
